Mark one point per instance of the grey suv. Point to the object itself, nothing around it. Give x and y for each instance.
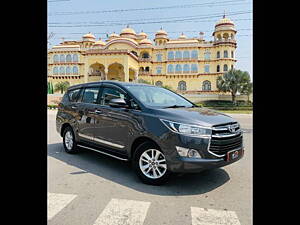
(156, 129)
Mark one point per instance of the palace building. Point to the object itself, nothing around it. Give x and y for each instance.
(188, 65)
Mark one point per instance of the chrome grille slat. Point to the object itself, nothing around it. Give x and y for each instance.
(223, 141)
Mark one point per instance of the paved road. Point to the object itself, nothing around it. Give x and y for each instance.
(92, 189)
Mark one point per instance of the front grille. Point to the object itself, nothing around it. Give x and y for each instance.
(223, 140)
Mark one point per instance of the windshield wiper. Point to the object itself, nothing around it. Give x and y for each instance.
(175, 106)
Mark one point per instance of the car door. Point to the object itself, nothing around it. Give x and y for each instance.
(113, 126)
(86, 111)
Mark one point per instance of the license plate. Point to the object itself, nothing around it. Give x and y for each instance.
(232, 155)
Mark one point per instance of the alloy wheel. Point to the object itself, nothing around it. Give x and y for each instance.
(153, 163)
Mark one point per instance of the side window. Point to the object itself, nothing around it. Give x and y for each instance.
(73, 95)
(110, 93)
(90, 95)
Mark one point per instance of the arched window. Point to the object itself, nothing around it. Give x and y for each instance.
(62, 70)
(158, 70)
(145, 55)
(225, 54)
(232, 67)
(170, 55)
(194, 68)
(182, 85)
(186, 68)
(206, 55)
(55, 70)
(218, 68)
(159, 57)
(75, 70)
(232, 54)
(186, 54)
(194, 54)
(225, 68)
(68, 70)
(218, 54)
(206, 86)
(69, 58)
(170, 68)
(178, 55)
(206, 68)
(55, 58)
(178, 68)
(75, 58)
(62, 58)
(147, 68)
(158, 83)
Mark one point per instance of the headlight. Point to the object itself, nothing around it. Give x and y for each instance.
(187, 129)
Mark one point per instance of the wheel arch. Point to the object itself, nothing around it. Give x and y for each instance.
(138, 141)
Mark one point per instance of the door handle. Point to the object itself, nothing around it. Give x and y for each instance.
(95, 112)
(74, 107)
(98, 111)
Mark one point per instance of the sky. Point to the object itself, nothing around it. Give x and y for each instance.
(70, 19)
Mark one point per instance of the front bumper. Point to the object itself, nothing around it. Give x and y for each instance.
(194, 165)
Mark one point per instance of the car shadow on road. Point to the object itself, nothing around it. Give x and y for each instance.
(122, 173)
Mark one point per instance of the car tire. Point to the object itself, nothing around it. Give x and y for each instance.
(69, 141)
(150, 164)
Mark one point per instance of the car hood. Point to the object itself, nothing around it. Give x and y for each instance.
(198, 115)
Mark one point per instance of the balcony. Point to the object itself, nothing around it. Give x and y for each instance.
(145, 72)
(145, 59)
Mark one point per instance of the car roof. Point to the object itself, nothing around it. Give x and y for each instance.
(118, 83)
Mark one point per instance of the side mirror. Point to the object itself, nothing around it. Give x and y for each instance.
(118, 103)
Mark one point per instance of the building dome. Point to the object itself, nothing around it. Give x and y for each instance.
(128, 30)
(161, 31)
(145, 42)
(99, 43)
(89, 35)
(182, 36)
(113, 35)
(143, 34)
(224, 21)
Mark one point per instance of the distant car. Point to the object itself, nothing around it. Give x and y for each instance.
(156, 129)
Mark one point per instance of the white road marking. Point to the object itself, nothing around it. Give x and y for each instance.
(201, 216)
(123, 212)
(56, 202)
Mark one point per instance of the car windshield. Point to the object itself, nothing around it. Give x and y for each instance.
(158, 97)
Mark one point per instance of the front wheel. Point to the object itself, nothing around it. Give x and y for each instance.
(69, 140)
(150, 164)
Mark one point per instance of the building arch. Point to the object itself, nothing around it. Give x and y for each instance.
(178, 55)
(96, 72)
(186, 68)
(170, 68)
(62, 58)
(55, 58)
(159, 83)
(206, 85)
(225, 68)
(178, 68)
(68, 58)
(181, 86)
(170, 55)
(186, 54)
(116, 72)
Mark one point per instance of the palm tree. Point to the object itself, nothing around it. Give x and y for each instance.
(62, 86)
(233, 81)
(247, 90)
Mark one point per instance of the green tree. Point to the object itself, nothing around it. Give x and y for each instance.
(247, 90)
(233, 81)
(143, 81)
(62, 86)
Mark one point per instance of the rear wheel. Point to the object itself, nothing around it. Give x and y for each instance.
(150, 164)
(69, 140)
